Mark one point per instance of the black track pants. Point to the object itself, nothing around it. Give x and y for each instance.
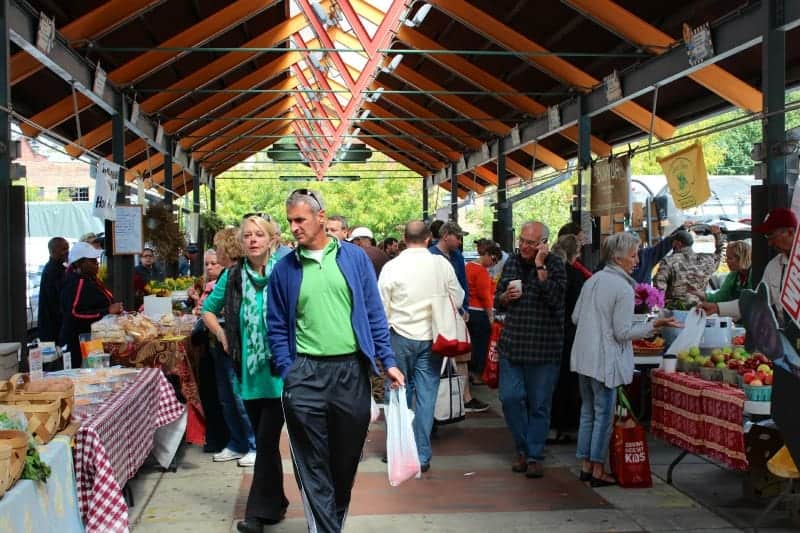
(326, 402)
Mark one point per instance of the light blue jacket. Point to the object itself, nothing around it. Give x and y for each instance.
(604, 316)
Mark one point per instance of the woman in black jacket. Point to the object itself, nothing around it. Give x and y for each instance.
(84, 298)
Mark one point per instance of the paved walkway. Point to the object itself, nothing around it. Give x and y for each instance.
(470, 488)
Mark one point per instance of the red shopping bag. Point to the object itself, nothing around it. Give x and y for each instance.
(630, 459)
(491, 367)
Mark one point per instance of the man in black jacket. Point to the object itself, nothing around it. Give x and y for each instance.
(49, 317)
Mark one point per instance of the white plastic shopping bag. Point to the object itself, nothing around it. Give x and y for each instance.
(374, 411)
(401, 448)
(693, 328)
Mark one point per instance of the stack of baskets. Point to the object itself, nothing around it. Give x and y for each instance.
(13, 449)
(47, 404)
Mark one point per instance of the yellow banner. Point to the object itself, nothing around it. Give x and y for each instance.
(686, 176)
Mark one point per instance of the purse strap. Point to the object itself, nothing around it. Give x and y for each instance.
(449, 365)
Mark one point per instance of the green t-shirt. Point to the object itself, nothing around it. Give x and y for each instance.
(324, 306)
(260, 384)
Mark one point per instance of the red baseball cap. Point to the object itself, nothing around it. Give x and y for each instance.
(778, 218)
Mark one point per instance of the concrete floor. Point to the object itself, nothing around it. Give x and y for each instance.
(470, 488)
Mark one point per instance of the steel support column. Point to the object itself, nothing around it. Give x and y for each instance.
(212, 194)
(502, 225)
(774, 192)
(170, 142)
(197, 266)
(453, 193)
(120, 266)
(589, 254)
(425, 205)
(12, 222)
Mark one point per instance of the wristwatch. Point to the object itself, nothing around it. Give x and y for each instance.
(541, 267)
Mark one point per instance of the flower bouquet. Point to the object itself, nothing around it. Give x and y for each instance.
(647, 297)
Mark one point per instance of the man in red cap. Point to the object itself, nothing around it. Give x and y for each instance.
(778, 227)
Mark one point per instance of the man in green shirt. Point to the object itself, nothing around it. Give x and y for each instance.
(325, 359)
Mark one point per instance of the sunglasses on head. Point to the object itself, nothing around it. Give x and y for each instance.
(265, 216)
(307, 192)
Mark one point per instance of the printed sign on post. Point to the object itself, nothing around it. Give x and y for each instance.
(611, 185)
(105, 196)
(790, 292)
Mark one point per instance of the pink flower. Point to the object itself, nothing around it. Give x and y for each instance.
(648, 295)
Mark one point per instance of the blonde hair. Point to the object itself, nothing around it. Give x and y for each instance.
(227, 243)
(267, 226)
(742, 251)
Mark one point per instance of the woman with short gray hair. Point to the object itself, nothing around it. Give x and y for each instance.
(603, 353)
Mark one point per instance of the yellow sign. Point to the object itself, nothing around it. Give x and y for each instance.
(686, 176)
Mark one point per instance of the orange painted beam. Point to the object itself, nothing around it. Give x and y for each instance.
(470, 183)
(555, 66)
(458, 104)
(446, 186)
(225, 64)
(258, 146)
(202, 151)
(93, 25)
(235, 150)
(548, 157)
(624, 23)
(151, 62)
(485, 80)
(403, 160)
(520, 170)
(407, 128)
(412, 150)
(486, 174)
(275, 102)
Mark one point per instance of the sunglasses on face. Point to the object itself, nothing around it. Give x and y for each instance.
(307, 192)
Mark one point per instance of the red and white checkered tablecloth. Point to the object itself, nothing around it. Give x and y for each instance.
(703, 417)
(112, 445)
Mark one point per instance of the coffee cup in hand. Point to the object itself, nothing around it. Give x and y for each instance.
(515, 284)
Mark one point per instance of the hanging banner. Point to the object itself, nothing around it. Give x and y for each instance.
(611, 185)
(106, 175)
(686, 176)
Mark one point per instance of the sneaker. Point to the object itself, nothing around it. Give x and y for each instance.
(475, 406)
(519, 464)
(249, 459)
(535, 470)
(227, 455)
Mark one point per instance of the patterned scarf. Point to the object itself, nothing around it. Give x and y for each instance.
(254, 332)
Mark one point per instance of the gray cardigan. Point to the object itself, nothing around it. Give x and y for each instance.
(604, 316)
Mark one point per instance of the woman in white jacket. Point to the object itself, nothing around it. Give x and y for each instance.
(602, 354)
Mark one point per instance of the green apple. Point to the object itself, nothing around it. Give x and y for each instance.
(728, 349)
(694, 351)
(721, 364)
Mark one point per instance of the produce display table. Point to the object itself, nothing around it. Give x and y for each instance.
(701, 417)
(173, 355)
(52, 506)
(114, 442)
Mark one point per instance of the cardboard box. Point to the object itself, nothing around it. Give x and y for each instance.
(637, 215)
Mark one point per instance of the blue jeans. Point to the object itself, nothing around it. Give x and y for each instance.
(597, 413)
(233, 410)
(421, 369)
(526, 392)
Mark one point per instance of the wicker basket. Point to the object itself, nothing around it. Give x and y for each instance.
(18, 441)
(731, 377)
(65, 398)
(41, 409)
(711, 374)
(6, 451)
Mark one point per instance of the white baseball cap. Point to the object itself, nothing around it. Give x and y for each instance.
(83, 250)
(361, 232)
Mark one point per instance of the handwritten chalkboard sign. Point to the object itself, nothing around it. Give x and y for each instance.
(128, 230)
(611, 185)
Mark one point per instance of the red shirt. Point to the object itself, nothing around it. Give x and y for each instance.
(480, 284)
(582, 269)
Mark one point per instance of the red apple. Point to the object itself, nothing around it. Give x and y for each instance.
(768, 379)
(748, 377)
(760, 376)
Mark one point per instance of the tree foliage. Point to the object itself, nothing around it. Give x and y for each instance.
(380, 201)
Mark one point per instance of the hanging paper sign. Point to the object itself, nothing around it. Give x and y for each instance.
(611, 184)
(613, 87)
(105, 195)
(553, 118)
(128, 230)
(134, 112)
(160, 135)
(686, 176)
(46, 34)
(699, 46)
(99, 81)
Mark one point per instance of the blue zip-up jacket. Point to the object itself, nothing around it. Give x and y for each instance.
(368, 319)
